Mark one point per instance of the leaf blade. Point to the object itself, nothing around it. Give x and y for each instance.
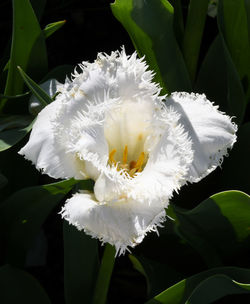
(42, 96)
(23, 213)
(150, 26)
(80, 265)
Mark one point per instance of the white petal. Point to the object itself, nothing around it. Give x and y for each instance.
(45, 152)
(121, 223)
(169, 160)
(166, 169)
(211, 131)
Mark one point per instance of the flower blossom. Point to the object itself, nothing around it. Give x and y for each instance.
(110, 124)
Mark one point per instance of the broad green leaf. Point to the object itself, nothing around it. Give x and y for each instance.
(238, 163)
(196, 17)
(150, 26)
(162, 259)
(158, 275)
(206, 287)
(3, 181)
(23, 213)
(178, 21)
(218, 228)
(9, 138)
(17, 286)
(15, 167)
(247, 7)
(219, 80)
(215, 288)
(80, 265)
(41, 95)
(14, 121)
(104, 275)
(49, 29)
(28, 47)
(232, 21)
(236, 169)
(52, 27)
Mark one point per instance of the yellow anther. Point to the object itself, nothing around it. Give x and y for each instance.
(125, 155)
(132, 167)
(111, 156)
(140, 161)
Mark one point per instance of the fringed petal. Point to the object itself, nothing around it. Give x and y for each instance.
(45, 152)
(121, 223)
(211, 131)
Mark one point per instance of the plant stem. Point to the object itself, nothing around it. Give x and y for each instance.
(193, 34)
(104, 275)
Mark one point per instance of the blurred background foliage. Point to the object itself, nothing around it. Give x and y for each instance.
(197, 46)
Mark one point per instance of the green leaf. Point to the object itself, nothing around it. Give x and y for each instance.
(23, 213)
(28, 47)
(12, 129)
(41, 95)
(150, 26)
(49, 29)
(247, 7)
(196, 17)
(206, 287)
(104, 275)
(52, 27)
(80, 265)
(14, 97)
(232, 21)
(219, 80)
(236, 169)
(17, 286)
(9, 138)
(178, 21)
(215, 288)
(218, 228)
(155, 274)
(3, 181)
(14, 121)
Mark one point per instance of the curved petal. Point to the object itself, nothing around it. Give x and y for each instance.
(169, 160)
(45, 152)
(121, 223)
(170, 155)
(211, 131)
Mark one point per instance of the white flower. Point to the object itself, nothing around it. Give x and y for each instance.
(111, 125)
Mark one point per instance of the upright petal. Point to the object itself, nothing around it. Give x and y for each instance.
(169, 160)
(211, 131)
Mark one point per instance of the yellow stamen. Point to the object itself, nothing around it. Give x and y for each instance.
(140, 161)
(132, 167)
(125, 155)
(132, 172)
(111, 156)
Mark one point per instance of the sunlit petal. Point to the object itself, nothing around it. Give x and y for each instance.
(211, 131)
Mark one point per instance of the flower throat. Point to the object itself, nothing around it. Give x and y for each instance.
(131, 167)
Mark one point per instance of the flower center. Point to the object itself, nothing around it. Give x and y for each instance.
(131, 167)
